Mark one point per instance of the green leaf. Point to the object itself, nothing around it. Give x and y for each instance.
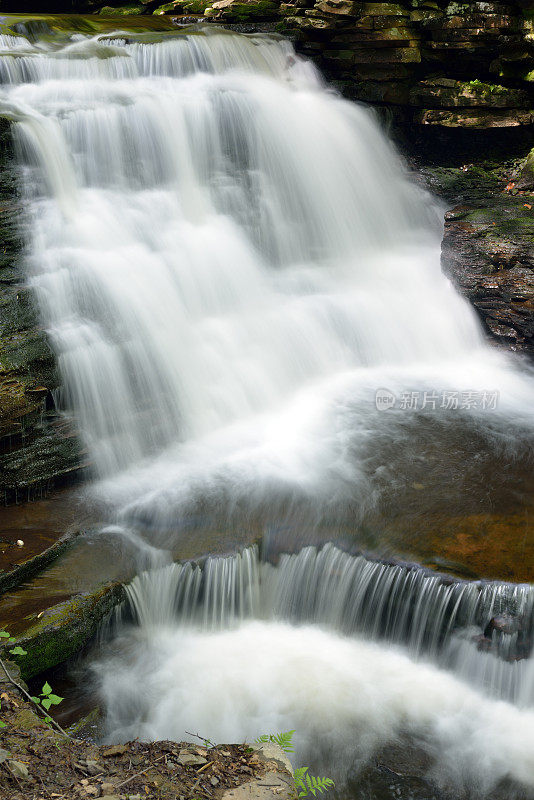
(285, 741)
(54, 699)
(3, 724)
(48, 720)
(46, 703)
(309, 784)
(18, 651)
(46, 688)
(4, 635)
(36, 700)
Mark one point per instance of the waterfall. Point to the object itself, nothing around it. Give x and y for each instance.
(235, 271)
(431, 616)
(222, 249)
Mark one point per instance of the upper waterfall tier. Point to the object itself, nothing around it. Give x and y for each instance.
(230, 262)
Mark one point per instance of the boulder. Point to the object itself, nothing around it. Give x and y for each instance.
(446, 92)
(526, 178)
(475, 118)
(62, 630)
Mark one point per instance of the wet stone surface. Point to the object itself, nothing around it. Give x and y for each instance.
(38, 449)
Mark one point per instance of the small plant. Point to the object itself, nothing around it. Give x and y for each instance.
(305, 783)
(283, 740)
(47, 699)
(16, 651)
(308, 784)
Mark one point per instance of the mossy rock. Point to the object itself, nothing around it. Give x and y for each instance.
(254, 11)
(184, 7)
(32, 566)
(123, 11)
(64, 629)
(526, 179)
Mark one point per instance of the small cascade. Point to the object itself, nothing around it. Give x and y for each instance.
(481, 631)
(214, 596)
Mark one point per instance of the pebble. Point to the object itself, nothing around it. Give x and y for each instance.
(187, 759)
(20, 543)
(115, 750)
(93, 767)
(19, 770)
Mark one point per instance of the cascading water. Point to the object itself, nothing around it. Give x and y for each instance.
(230, 263)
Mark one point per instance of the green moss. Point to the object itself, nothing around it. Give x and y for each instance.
(43, 25)
(122, 11)
(32, 566)
(478, 87)
(64, 629)
(246, 12)
(195, 7)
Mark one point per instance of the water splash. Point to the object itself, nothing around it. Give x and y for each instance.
(431, 616)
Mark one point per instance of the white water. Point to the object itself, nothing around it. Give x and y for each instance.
(346, 699)
(230, 262)
(431, 617)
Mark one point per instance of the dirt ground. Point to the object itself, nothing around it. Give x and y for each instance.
(37, 763)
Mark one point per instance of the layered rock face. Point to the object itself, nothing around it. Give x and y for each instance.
(37, 447)
(488, 250)
(434, 63)
(468, 65)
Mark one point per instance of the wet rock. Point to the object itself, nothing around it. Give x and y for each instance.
(526, 178)
(32, 566)
(123, 11)
(504, 623)
(35, 451)
(475, 118)
(236, 11)
(488, 252)
(65, 628)
(450, 93)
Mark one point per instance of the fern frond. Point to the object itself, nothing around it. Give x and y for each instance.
(283, 740)
(309, 784)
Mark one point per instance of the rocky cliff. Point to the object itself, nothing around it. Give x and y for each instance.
(431, 62)
(37, 447)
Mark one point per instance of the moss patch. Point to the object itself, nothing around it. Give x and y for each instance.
(65, 628)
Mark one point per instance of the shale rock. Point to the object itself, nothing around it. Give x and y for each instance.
(64, 629)
(526, 178)
(488, 252)
(37, 448)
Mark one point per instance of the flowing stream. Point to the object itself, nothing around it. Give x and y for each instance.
(231, 262)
